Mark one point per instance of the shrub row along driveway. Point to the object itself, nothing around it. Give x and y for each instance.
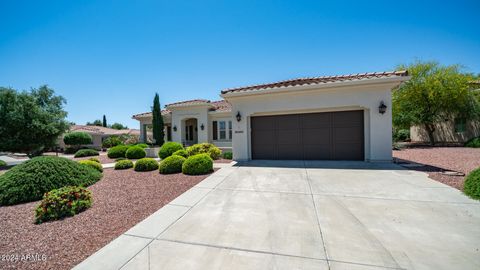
(121, 199)
(305, 215)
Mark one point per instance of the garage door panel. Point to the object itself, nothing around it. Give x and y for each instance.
(316, 120)
(317, 151)
(349, 151)
(314, 136)
(289, 151)
(288, 136)
(263, 123)
(330, 135)
(288, 122)
(348, 134)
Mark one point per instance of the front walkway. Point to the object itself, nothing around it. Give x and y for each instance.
(305, 215)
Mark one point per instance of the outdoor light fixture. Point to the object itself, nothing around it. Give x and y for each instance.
(239, 117)
(175, 128)
(202, 127)
(382, 108)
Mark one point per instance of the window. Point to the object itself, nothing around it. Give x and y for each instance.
(460, 125)
(222, 130)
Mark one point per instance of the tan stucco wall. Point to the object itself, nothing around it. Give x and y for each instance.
(378, 135)
(445, 132)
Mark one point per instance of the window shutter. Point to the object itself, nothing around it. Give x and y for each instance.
(215, 130)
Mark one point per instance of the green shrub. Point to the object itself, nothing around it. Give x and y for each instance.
(401, 135)
(471, 187)
(112, 141)
(123, 164)
(204, 148)
(120, 158)
(198, 164)
(63, 202)
(171, 164)
(117, 151)
(168, 149)
(95, 159)
(135, 152)
(182, 153)
(474, 143)
(227, 155)
(77, 138)
(86, 153)
(96, 165)
(3, 163)
(142, 145)
(28, 181)
(146, 164)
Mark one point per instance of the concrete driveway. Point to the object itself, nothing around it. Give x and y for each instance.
(305, 215)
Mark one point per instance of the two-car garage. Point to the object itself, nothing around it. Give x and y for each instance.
(311, 136)
(345, 117)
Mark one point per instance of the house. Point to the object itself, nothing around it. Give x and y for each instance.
(98, 134)
(452, 130)
(346, 117)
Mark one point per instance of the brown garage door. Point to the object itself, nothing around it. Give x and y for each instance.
(327, 136)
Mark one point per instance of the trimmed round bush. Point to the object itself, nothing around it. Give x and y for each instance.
(471, 187)
(135, 152)
(474, 143)
(168, 149)
(145, 165)
(77, 138)
(182, 153)
(28, 181)
(86, 153)
(205, 148)
(95, 159)
(96, 165)
(142, 145)
(63, 202)
(123, 164)
(171, 164)
(3, 163)
(120, 158)
(112, 141)
(227, 155)
(198, 164)
(118, 151)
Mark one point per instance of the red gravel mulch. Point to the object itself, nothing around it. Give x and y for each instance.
(104, 159)
(440, 159)
(222, 160)
(121, 199)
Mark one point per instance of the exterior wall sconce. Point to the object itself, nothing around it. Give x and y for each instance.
(202, 127)
(239, 117)
(382, 108)
(175, 128)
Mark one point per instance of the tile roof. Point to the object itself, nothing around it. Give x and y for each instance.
(318, 80)
(101, 130)
(189, 102)
(217, 106)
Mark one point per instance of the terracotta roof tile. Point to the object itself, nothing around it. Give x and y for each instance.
(318, 80)
(221, 106)
(101, 130)
(189, 102)
(164, 112)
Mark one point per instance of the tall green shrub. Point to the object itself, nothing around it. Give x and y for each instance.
(157, 122)
(77, 139)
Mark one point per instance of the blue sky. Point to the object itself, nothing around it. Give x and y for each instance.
(110, 57)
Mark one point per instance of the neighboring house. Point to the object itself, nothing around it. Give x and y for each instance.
(344, 117)
(457, 130)
(98, 134)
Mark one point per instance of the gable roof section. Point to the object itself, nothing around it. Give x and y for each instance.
(102, 130)
(317, 80)
(216, 106)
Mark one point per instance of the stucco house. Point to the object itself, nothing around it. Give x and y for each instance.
(98, 134)
(346, 117)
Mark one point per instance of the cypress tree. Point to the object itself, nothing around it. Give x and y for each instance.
(157, 121)
(104, 121)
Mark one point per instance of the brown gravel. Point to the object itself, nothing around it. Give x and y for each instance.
(104, 159)
(439, 159)
(121, 199)
(222, 160)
